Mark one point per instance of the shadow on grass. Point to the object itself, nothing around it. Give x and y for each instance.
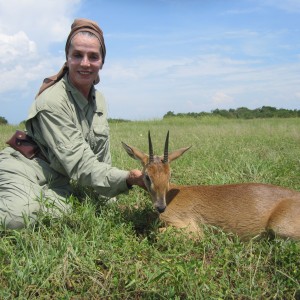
(144, 220)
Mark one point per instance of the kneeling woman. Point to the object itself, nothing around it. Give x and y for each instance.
(67, 137)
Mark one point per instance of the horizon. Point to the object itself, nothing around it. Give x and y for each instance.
(212, 112)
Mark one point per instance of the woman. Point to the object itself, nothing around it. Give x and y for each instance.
(68, 133)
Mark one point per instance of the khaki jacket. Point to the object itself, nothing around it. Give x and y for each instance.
(73, 134)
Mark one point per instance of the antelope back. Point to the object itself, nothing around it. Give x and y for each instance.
(156, 170)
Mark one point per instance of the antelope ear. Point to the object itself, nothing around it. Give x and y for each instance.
(177, 153)
(135, 153)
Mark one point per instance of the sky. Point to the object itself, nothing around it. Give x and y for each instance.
(162, 55)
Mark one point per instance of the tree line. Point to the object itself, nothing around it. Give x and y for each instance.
(242, 113)
(238, 113)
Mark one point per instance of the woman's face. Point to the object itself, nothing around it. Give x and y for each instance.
(84, 61)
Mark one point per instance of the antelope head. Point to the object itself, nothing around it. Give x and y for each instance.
(156, 170)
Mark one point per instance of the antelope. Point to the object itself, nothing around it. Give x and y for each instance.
(244, 209)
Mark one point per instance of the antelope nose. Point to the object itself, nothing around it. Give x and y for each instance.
(160, 209)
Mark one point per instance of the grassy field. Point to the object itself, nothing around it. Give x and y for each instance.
(116, 252)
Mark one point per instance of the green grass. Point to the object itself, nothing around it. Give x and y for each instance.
(116, 252)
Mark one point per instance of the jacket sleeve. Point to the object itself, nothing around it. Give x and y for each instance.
(73, 152)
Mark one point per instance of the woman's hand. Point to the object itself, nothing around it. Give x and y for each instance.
(135, 177)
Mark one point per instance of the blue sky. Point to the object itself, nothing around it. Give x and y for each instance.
(162, 55)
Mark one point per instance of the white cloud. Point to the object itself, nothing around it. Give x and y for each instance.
(291, 6)
(16, 46)
(46, 21)
(20, 76)
(196, 84)
(25, 41)
(220, 99)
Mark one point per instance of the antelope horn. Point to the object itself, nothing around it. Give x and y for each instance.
(166, 151)
(151, 159)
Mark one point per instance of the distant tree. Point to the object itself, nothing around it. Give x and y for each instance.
(266, 112)
(3, 121)
(169, 114)
(223, 113)
(243, 113)
(285, 113)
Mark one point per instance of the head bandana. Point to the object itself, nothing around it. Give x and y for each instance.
(79, 25)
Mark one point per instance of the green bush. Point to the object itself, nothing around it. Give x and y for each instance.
(3, 121)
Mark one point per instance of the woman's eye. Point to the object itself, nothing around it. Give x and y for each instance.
(94, 57)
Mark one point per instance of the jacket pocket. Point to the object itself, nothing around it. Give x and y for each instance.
(102, 129)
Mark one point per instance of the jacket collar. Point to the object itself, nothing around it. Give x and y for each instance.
(80, 99)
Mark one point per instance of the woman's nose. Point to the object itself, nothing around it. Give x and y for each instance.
(85, 61)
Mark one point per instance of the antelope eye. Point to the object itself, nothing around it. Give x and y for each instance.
(147, 177)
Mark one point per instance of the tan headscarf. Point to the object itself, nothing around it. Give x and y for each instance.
(78, 25)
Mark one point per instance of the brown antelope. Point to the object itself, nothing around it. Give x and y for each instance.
(246, 209)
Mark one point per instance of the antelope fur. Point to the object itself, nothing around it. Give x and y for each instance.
(246, 209)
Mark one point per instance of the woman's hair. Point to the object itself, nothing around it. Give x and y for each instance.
(86, 33)
(85, 25)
